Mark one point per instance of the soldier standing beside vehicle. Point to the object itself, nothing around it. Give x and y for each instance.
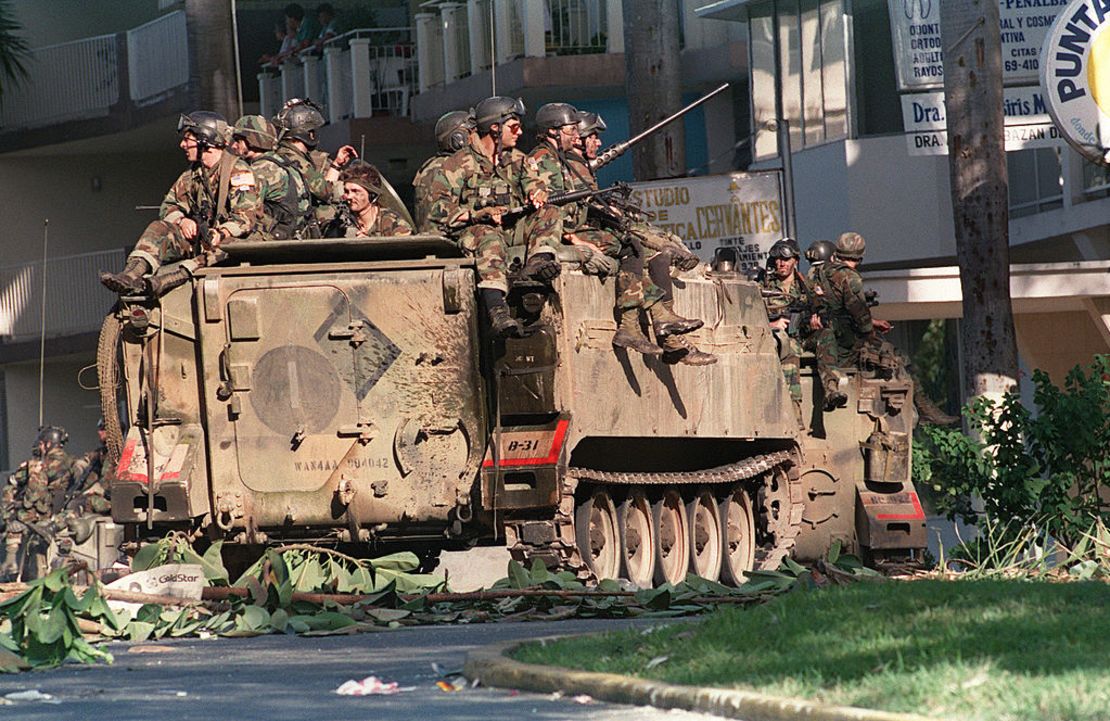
(364, 218)
(286, 203)
(453, 132)
(214, 202)
(471, 192)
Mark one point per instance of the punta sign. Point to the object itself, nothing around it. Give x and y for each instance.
(1075, 74)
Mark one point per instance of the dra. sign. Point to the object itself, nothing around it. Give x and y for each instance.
(1028, 124)
(1076, 77)
(737, 210)
(918, 47)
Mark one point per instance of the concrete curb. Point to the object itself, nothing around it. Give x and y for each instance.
(492, 667)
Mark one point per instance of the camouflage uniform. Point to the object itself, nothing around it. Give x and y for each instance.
(387, 224)
(849, 315)
(286, 202)
(194, 196)
(792, 342)
(466, 182)
(36, 493)
(92, 493)
(421, 184)
(313, 167)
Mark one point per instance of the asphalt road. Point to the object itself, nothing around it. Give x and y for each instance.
(278, 678)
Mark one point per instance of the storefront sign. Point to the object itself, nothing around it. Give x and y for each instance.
(1076, 77)
(737, 210)
(1028, 124)
(918, 47)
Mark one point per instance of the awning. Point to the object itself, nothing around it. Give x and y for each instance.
(734, 10)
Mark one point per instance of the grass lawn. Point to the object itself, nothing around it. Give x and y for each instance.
(997, 650)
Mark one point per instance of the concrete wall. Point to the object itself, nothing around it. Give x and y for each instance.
(65, 404)
(1056, 342)
(49, 22)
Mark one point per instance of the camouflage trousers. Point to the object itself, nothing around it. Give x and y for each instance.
(543, 229)
(162, 243)
(826, 350)
(790, 351)
(488, 244)
(634, 287)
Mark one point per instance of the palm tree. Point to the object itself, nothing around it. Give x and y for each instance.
(14, 51)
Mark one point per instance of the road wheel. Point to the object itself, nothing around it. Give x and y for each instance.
(738, 526)
(672, 549)
(595, 526)
(705, 535)
(638, 542)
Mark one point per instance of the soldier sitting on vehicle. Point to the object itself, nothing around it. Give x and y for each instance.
(297, 123)
(286, 202)
(215, 201)
(37, 492)
(453, 131)
(471, 192)
(819, 253)
(361, 216)
(639, 243)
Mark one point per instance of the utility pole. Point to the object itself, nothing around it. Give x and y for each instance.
(212, 56)
(980, 198)
(653, 85)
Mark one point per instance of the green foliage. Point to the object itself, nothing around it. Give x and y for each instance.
(931, 367)
(1049, 468)
(14, 50)
(175, 548)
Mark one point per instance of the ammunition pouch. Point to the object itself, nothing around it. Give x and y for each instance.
(878, 357)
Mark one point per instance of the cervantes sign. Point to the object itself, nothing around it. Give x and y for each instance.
(737, 210)
(1076, 76)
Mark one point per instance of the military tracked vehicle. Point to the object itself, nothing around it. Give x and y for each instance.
(347, 392)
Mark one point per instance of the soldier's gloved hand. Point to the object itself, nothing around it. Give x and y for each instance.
(488, 215)
(597, 263)
(685, 260)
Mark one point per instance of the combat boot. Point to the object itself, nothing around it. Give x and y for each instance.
(930, 412)
(129, 280)
(834, 397)
(543, 267)
(630, 336)
(162, 283)
(9, 571)
(665, 322)
(501, 321)
(678, 349)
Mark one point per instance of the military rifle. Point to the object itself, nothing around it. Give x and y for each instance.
(612, 153)
(798, 313)
(515, 213)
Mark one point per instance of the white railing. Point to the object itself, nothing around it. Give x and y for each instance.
(575, 26)
(76, 302)
(158, 57)
(361, 73)
(71, 81)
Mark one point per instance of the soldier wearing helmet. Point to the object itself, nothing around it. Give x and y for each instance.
(215, 201)
(453, 131)
(362, 186)
(286, 202)
(297, 123)
(471, 191)
(819, 253)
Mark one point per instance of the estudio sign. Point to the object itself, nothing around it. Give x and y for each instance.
(1075, 73)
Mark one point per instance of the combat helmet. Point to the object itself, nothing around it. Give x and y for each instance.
(364, 175)
(589, 123)
(785, 248)
(52, 437)
(300, 119)
(207, 127)
(257, 131)
(556, 115)
(851, 246)
(495, 111)
(452, 129)
(820, 251)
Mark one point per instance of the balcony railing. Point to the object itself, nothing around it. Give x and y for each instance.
(361, 73)
(81, 80)
(76, 302)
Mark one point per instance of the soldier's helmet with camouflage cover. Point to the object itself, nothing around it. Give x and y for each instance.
(257, 131)
(452, 129)
(207, 127)
(851, 246)
(365, 176)
(786, 248)
(300, 119)
(820, 251)
(495, 111)
(556, 115)
(590, 123)
(52, 437)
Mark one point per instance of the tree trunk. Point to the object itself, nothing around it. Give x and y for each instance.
(653, 85)
(212, 57)
(980, 202)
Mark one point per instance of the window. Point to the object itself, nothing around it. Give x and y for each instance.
(1036, 181)
(1096, 179)
(808, 38)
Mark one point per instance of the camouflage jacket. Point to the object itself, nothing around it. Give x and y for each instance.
(386, 224)
(545, 169)
(195, 193)
(313, 167)
(92, 492)
(467, 181)
(816, 278)
(779, 297)
(48, 479)
(286, 203)
(421, 185)
(849, 314)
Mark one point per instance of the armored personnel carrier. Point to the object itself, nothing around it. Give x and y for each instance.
(346, 392)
